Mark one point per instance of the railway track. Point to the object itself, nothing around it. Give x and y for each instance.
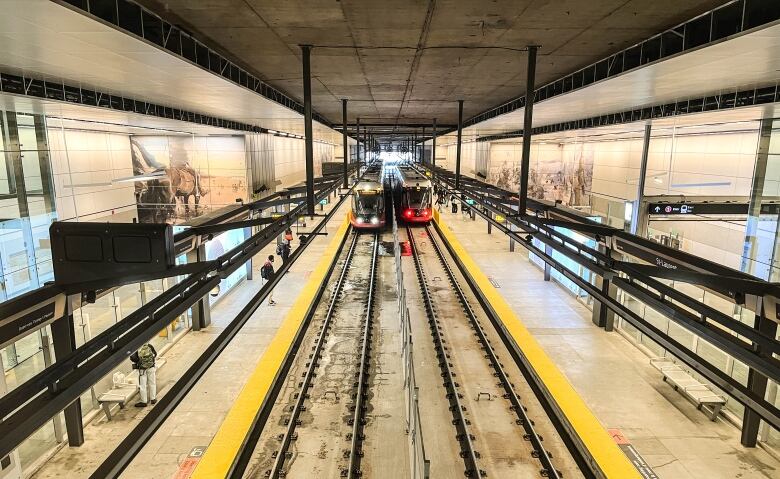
(313, 442)
(507, 435)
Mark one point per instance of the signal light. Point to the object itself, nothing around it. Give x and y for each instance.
(408, 213)
(426, 212)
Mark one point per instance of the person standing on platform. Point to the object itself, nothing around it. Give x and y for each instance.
(267, 273)
(285, 251)
(144, 360)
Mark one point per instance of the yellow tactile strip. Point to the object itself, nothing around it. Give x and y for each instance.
(603, 449)
(220, 453)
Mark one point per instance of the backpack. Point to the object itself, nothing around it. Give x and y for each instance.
(279, 249)
(145, 357)
(267, 270)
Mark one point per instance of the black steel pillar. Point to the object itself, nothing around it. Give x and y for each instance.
(757, 384)
(344, 139)
(527, 127)
(306, 53)
(636, 214)
(414, 147)
(457, 150)
(357, 137)
(422, 147)
(63, 338)
(433, 148)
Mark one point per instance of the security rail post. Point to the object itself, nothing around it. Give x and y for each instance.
(344, 140)
(63, 337)
(756, 383)
(306, 54)
(201, 310)
(602, 315)
(458, 147)
(525, 164)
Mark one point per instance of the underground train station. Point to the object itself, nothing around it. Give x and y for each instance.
(390, 240)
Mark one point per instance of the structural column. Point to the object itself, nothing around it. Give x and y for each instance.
(344, 139)
(527, 128)
(433, 148)
(306, 53)
(357, 137)
(457, 150)
(64, 339)
(636, 214)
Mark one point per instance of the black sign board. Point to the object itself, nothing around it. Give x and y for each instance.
(31, 321)
(698, 208)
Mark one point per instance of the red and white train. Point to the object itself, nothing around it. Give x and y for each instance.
(416, 195)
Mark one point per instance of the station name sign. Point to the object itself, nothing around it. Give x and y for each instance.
(698, 208)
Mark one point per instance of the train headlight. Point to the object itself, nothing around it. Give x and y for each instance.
(374, 220)
(360, 220)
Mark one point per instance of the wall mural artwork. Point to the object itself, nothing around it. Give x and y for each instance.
(566, 177)
(171, 184)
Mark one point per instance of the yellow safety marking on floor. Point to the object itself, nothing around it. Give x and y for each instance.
(606, 454)
(224, 447)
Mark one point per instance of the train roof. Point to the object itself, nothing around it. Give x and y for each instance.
(409, 177)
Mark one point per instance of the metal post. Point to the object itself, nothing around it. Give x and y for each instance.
(636, 214)
(63, 337)
(527, 127)
(757, 384)
(422, 147)
(201, 311)
(433, 150)
(344, 139)
(306, 53)
(457, 151)
(357, 137)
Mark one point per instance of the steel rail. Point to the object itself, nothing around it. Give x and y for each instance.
(277, 469)
(359, 415)
(26, 408)
(548, 468)
(731, 386)
(465, 440)
(124, 453)
(732, 344)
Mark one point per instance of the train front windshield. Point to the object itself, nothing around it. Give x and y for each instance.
(368, 204)
(418, 198)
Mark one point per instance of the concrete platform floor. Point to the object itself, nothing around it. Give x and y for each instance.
(196, 420)
(613, 376)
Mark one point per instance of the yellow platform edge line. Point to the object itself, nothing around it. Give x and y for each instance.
(223, 448)
(608, 457)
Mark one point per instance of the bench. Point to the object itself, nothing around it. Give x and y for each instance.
(701, 395)
(122, 392)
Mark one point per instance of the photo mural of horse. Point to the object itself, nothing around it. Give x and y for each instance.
(163, 191)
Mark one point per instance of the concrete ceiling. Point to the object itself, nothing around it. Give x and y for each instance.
(740, 63)
(45, 40)
(407, 61)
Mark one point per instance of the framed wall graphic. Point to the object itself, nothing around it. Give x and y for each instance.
(178, 178)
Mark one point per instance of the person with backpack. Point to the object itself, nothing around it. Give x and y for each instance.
(144, 360)
(266, 273)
